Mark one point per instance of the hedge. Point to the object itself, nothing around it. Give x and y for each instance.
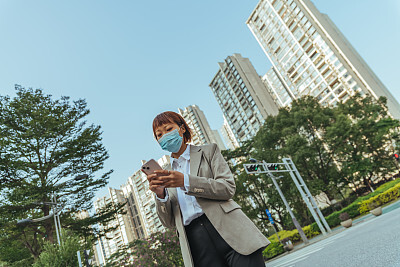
(383, 198)
(275, 248)
(354, 208)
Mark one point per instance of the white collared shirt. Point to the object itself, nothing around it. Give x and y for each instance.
(189, 206)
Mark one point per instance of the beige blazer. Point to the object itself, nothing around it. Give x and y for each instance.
(212, 183)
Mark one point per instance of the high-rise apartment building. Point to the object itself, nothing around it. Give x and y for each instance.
(243, 97)
(201, 130)
(310, 56)
(229, 137)
(276, 87)
(218, 140)
(139, 221)
(123, 229)
(141, 202)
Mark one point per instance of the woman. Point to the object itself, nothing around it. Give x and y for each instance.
(196, 198)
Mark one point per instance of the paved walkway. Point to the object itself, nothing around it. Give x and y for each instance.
(327, 239)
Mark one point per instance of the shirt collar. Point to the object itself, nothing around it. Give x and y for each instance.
(185, 155)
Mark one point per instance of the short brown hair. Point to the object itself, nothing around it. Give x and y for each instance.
(172, 117)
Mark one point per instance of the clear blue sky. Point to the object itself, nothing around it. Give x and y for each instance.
(131, 60)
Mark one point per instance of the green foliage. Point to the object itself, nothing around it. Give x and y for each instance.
(392, 192)
(363, 137)
(13, 251)
(44, 144)
(65, 255)
(273, 249)
(160, 249)
(380, 199)
(334, 149)
(311, 230)
(294, 236)
(352, 210)
(386, 186)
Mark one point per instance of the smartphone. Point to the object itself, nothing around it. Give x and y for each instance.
(150, 166)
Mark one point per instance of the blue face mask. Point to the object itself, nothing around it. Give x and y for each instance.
(171, 141)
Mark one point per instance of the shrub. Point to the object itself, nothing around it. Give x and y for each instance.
(65, 255)
(273, 249)
(387, 186)
(344, 216)
(294, 236)
(311, 230)
(333, 219)
(380, 199)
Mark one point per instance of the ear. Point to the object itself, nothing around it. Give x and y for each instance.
(182, 128)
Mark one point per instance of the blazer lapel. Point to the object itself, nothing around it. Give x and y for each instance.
(195, 158)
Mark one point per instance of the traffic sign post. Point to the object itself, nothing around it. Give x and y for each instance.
(288, 167)
(269, 216)
(271, 220)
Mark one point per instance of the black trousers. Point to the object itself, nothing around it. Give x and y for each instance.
(209, 249)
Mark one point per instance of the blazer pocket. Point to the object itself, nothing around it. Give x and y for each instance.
(229, 206)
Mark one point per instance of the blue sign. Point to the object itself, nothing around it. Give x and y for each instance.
(269, 216)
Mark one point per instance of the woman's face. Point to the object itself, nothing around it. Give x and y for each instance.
(166, 128)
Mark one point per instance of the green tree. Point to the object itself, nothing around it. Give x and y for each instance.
(305, 143)
(160, 249)
(44, 144)
(296, 132)
(331, 147)
(255, 193)
(65, 255)
(364, 136)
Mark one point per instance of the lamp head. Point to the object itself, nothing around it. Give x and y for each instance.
(24, 222)
(253, 160)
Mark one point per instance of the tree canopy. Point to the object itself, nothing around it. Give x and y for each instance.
(47, 149)
(336, 149)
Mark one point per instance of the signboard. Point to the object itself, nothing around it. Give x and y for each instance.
(269, 216)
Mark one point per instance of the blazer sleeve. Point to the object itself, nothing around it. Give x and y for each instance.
(165, 213)
(221, 186)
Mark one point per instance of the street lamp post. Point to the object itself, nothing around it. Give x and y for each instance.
(56, 212)
(25, 222)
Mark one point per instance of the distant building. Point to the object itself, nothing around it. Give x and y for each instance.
(122, 234)
(142, 204)
(198, 123)
(141, 219)
(310, 56)
(243, 97)
(279, 92)
(218, 140)
(229, 137)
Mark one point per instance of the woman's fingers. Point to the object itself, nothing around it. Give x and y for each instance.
(151, 176)
(162, 172)
(156, 182)
(171, 178)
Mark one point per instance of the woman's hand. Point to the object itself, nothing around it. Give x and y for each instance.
(156, 185)
(170, 178)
